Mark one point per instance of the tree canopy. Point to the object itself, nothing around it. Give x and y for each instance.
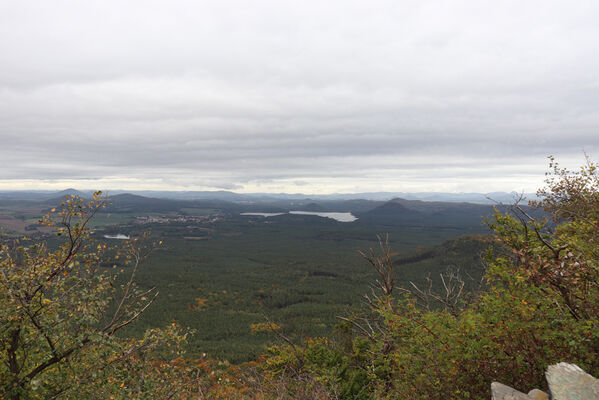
(62, 305)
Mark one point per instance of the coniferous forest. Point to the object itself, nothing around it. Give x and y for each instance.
(211, 304)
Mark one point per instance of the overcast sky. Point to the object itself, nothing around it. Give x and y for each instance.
(296, 96)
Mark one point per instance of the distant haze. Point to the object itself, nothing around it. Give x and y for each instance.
(299, 198)
(296, 97)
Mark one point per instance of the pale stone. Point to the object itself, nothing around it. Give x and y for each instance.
(537, 394)
(499, 391)
(570, 382)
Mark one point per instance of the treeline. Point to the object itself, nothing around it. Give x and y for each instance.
(438, 338)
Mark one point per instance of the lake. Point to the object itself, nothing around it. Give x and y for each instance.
(263, 214)
(118, 236)
(337, 216)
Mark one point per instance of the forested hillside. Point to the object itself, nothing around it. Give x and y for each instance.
(418, 314)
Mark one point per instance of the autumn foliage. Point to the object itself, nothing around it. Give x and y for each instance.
(61, 309)
(538, 305)
(60, 312)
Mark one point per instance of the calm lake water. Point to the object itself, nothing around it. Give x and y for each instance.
(263, 214)
(337, 216)
(118, 236)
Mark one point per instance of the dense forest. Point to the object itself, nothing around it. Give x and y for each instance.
(433, 322)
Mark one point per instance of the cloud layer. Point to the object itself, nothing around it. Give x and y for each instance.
(295, 96)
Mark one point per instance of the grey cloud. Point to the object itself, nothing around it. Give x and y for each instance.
(228, 95)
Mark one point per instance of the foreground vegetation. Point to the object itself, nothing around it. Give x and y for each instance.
(61, 311)
(538, 305)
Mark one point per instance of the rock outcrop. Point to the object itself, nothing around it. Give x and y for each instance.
(570, 382)
(566, 382)
(500, 391)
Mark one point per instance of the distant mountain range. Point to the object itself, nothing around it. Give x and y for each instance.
(222, 195)
(452, 213)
